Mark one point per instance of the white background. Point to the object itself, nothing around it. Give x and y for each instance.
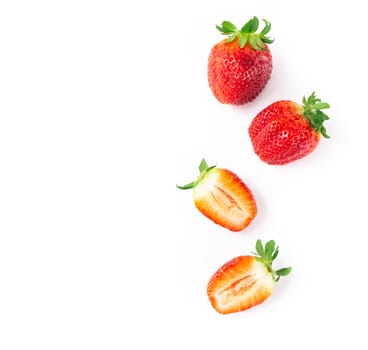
(104, 108)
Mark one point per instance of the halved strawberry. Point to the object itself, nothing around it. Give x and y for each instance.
(223, 197)
(245, 281)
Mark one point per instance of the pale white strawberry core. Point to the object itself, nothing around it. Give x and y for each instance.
(220, 200)
(251, 287)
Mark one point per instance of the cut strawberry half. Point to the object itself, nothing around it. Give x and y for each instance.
(245, 281)
(223, 197)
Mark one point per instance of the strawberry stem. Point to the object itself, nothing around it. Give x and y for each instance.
(266, 254)
(203, 170)
(247, 33)
(312, 113)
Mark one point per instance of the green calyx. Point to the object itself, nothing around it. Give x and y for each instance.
(266, 254)
(247, 33)
(203, 170)
(312, 112)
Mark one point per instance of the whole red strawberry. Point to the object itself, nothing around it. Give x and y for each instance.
(240, 66)
(286, 131)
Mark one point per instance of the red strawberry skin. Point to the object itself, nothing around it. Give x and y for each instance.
(280, 134)
(225, 199)
(240, 284)
(237, 75)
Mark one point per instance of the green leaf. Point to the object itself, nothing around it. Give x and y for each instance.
(323, 132)
(243, 40)
(232, 37)
(259, 248)
(251, 26)
(266, 255)
(266, 28)
(203, 166)
(258, 43)
(312, 113)
(284, 271)
(247, 26)
(228, 27)
(187, 186)
(321, 105)
(254, 25)
(269, 248)
(275, 253)
(247, 33)
(267, 40)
